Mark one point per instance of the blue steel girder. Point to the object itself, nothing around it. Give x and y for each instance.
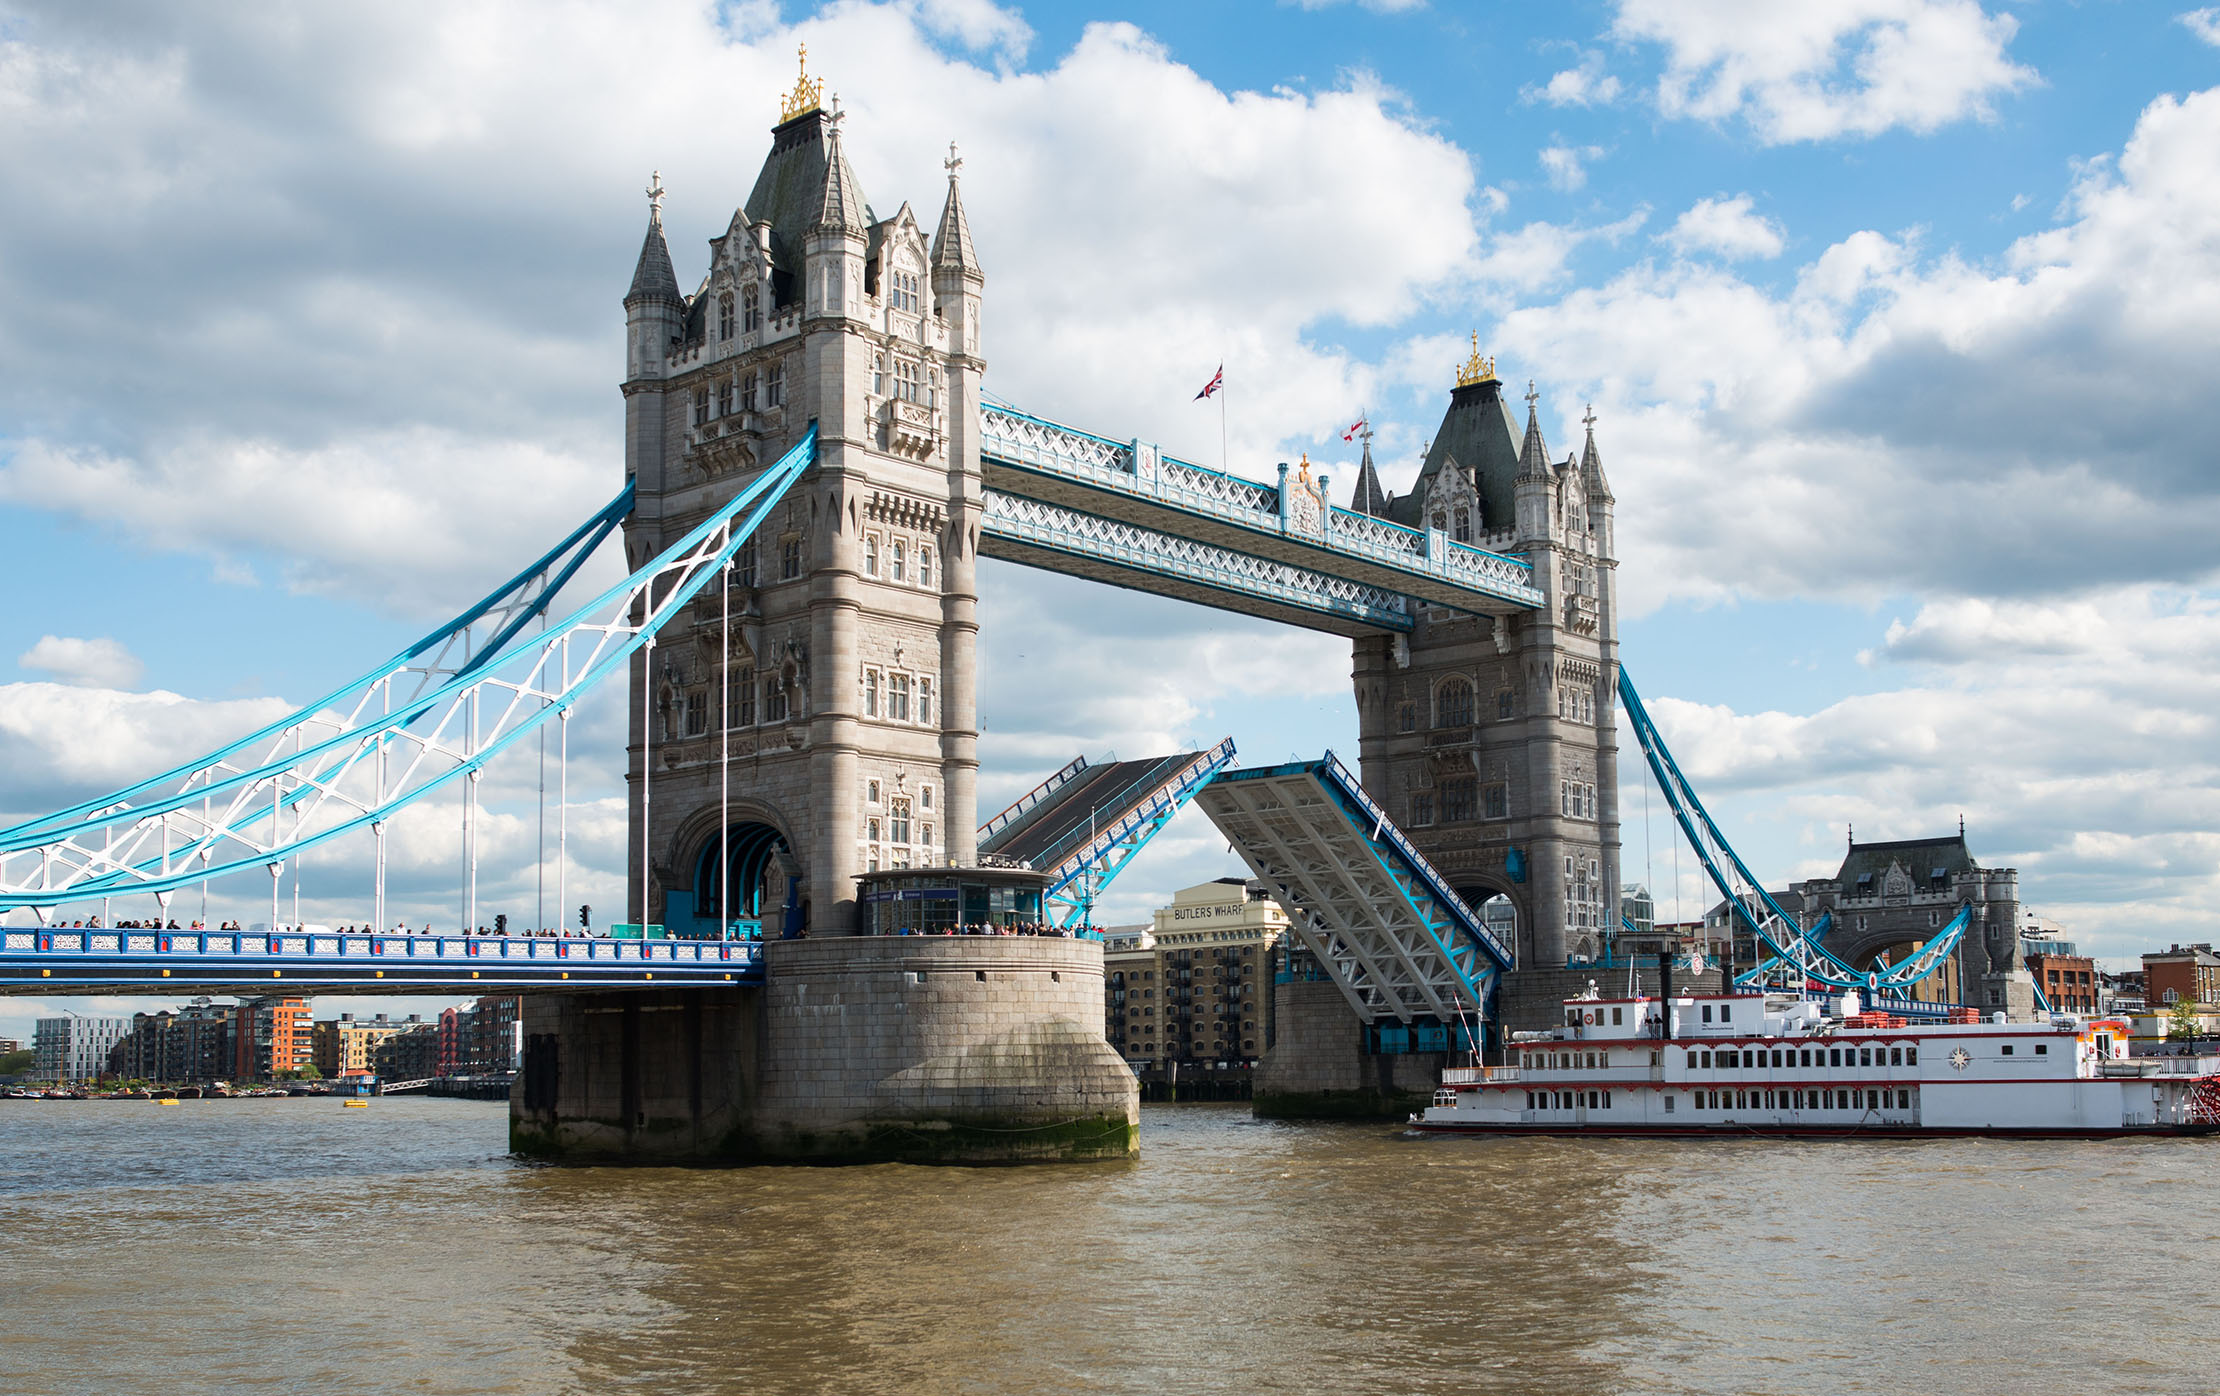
(1096, 863)
(1134, 483)
(462, 645)
(1794, 950)
(1058, 539)
(1387, 928)
(334, 771)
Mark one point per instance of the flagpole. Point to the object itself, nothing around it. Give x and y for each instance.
(1225, 467)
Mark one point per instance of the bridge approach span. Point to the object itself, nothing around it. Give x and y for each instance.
(129, 961)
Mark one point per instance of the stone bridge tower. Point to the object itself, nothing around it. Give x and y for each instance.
(849, 653)
(1494, 741)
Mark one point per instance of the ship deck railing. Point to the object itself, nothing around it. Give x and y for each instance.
(2160, 1066)
(1475, 1075)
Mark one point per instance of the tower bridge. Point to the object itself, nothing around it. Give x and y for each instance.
(811, 476)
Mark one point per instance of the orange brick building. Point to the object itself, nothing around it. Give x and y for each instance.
(2068, 982)
(2185, 972)
(269, 1035)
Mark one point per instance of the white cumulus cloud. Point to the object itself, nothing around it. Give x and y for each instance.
(1567, 165)
(1584, 85)
(95, 663)
(1819, 69)
(2204, 23)
(1728, 227)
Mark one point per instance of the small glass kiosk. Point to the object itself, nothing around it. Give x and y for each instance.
(949, 901)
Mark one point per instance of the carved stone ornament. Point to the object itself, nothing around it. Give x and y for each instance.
(1306, 511)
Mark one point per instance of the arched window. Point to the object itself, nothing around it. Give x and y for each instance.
(724, 316)
(898, 697)
(1463, 531)
(1453, 704)
(751, 309)
(900, 561)
(924, 566)
(898, 822)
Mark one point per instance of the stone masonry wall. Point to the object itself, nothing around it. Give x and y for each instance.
(958, 1047)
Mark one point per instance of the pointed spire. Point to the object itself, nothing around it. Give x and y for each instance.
(1591, 460)
(1369, 497)
(952, 250)
(841, 205)
(652, 278)
(1533, 452)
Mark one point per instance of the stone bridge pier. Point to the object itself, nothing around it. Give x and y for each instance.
(856, 1049)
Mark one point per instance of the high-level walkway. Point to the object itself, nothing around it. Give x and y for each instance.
(1123, 512)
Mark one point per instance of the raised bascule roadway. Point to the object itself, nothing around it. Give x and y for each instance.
(812, 472)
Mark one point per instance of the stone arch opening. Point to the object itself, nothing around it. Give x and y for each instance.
(1500, 914)
(754, 861)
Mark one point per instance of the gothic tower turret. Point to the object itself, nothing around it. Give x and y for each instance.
(957, 286)
(654, 316)
(1491, 739)
(849, 741)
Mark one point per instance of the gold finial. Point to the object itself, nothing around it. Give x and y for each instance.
(1476, 369)
(1306, 467)
(807, 96)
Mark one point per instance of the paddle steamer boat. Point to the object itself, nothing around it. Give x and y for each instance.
(1777, 1064)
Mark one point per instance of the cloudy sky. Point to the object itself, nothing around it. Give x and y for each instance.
(1899, 318)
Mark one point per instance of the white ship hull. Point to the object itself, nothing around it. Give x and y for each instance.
(1638, 1067)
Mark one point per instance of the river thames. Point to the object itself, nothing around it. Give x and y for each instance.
(293, 1245)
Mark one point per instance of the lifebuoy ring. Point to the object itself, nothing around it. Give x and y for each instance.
(1589, 1019)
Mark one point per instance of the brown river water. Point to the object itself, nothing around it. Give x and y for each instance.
(292, 1245)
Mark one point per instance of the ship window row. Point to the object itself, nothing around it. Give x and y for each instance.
(1568, 1100)
(1573, 1016)
(1758, 1058)
(1795, 1100)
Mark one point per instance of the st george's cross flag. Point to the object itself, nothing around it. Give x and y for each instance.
(1217, 381)
(1354, 427)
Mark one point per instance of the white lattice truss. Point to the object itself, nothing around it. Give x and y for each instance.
(1077, 534)
(433, 715)
(1388, 941)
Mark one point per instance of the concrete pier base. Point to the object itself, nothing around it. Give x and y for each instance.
(857, 1049)
(1317, 1067)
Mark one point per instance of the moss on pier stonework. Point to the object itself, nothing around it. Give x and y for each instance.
(968, 1141)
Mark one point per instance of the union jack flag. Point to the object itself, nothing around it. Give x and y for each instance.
(1217, 381)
